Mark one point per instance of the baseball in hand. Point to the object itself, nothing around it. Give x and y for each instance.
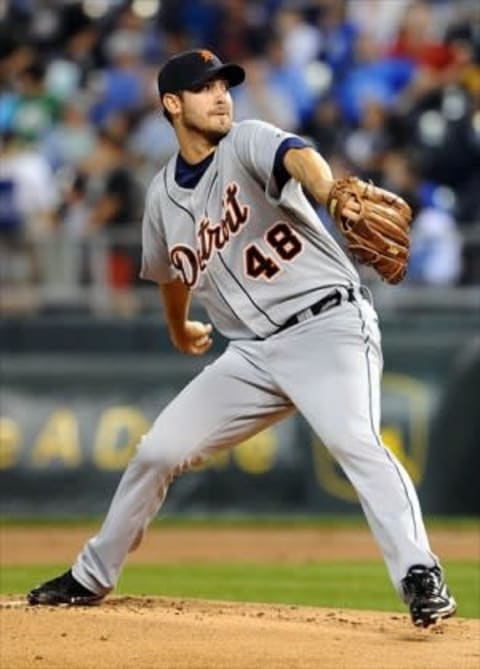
(195, 338)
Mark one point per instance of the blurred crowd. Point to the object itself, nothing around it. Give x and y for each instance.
(386, 89)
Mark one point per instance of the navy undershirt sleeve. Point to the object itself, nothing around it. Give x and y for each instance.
(279, 171)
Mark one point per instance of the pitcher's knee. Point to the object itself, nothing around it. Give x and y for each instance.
(172, 462)
(152, 454)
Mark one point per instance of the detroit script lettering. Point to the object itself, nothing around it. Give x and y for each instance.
(210, 237)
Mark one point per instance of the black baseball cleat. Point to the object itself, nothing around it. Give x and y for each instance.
(427, 595)
(63, 590)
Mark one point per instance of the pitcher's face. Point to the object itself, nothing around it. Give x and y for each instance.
(207, 111)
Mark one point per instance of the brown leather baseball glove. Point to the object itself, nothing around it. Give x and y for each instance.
(378, 235)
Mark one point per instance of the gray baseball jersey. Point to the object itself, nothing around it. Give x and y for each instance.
(236, 241)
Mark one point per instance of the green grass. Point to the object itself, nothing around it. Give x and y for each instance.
(351, 585)
(239, 520)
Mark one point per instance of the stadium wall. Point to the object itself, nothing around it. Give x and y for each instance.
(77, 395)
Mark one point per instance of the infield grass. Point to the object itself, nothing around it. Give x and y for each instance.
(345, 585)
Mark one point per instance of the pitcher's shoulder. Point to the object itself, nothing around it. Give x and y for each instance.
(246, 126)
(245, 134)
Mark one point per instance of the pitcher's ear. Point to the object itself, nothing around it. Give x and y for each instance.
(171, 102)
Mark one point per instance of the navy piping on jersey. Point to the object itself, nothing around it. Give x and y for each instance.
(173, 201)
(242, 288)
(215, 177)
(210, 277)
(322, 249)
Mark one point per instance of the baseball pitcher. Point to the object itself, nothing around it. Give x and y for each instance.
(227, 219)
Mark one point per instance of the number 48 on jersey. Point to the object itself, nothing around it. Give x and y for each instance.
(285, 244)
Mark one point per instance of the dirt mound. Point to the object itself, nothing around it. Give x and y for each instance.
(164, 633)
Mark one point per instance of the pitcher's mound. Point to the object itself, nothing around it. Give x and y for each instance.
(164, 633)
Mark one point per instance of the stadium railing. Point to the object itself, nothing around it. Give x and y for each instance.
(95, 273)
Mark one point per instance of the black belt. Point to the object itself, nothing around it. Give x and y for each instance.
(331, 300)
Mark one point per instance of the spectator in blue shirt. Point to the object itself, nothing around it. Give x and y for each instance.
(373, 77)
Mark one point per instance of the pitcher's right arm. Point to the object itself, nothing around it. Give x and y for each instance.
(191, 337)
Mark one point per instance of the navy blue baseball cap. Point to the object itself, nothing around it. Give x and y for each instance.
(190, 69)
